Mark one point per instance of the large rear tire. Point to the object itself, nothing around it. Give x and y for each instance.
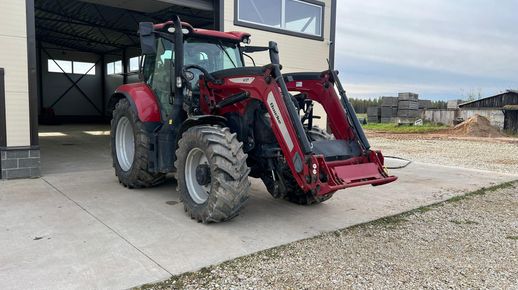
(130, 146)
(212, 173)
(317, 134)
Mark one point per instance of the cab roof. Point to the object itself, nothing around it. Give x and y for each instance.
(235, 36)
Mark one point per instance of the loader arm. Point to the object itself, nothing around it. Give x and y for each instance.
(321, 167)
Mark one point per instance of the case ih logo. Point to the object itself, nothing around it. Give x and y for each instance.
(246, 80)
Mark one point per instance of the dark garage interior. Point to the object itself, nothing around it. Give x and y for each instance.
(85, 50)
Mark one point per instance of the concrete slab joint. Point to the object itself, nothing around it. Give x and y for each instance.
(20, 163)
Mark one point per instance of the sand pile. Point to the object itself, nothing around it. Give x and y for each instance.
(476, 126)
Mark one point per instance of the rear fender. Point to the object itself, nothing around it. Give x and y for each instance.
(142, 100)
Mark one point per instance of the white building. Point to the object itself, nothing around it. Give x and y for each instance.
(61, 60)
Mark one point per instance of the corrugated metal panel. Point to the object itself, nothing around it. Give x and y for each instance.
(105, 26)
(498, 101)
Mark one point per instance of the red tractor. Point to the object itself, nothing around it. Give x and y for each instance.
(203, 115)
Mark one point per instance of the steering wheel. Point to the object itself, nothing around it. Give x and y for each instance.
(208, 75)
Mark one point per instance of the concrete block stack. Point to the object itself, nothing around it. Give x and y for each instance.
(408, 107)
(425, 104)
(374, 114)
(389, 108)
(405, 108)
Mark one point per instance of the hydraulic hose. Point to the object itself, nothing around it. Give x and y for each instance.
(399, 158)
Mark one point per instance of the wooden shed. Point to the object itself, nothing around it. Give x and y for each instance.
(507, 102)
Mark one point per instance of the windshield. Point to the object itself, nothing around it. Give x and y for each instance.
(213, 55)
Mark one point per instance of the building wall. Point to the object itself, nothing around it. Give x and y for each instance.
(296, 53)
(13, 58)
(495, 116)
(446, 117)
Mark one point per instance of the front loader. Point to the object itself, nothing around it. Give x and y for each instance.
(213, 122)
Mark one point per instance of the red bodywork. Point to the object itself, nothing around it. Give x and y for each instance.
(144, 99)
(236, 36)
(367, 169)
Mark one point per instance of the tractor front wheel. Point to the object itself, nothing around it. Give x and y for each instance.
(212, 173)
(297, 195)
(130, 145)
(292, 192)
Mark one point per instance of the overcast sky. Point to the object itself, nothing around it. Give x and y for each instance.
(441, 49)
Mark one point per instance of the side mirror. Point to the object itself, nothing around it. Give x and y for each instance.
(274, 52)
(188, 75)
(147, 38)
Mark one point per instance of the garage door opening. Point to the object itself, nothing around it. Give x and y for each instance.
(85, 50)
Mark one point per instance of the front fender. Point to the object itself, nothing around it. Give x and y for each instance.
(141, 98)
(202, 120)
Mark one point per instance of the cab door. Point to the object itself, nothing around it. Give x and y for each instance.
(159, 73)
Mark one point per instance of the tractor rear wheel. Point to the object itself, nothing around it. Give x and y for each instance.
(130, 146)
(212, 173)
(317, 134)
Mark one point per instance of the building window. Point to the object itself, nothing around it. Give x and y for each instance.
(134, 64)
(69, 67)
(60, 66)
(298, 16)
(114, 67)
(82, 68)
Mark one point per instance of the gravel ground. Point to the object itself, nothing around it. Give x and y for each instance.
(467, 242)
(479, 154)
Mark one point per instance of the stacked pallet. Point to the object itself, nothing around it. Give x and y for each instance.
(374, 114)
(425, 104)
(408, 107)
(389, 108)
(408, 97)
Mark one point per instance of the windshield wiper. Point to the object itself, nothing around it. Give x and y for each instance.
(226, 52)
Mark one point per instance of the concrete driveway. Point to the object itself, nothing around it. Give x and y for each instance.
(81, 229)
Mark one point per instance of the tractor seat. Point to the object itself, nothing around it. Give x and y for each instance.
(334, 150)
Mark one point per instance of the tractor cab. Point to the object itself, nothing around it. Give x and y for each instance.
(204, 51)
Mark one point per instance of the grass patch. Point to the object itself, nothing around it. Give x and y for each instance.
(464, 222)
(514, 238)
(482, 191)
(404, 129)
(390, 221)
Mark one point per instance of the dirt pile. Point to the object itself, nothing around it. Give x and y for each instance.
(476, 126)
